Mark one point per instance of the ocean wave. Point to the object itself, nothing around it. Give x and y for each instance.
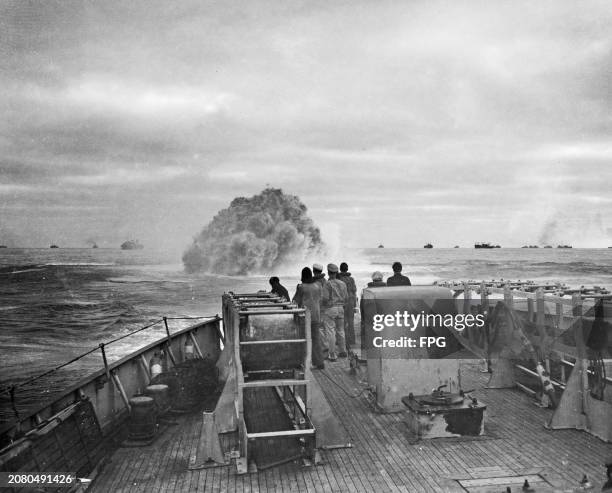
(127, 280)
(81, 264)
(162, 283)
(27, 269)
(74, 309)
(18, 269)
(575, 267)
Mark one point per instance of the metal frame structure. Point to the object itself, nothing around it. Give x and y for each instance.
(577, 407)
(291, 387)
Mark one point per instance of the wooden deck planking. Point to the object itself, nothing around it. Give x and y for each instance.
(384, 456)
(396, 458)
(128, 475)
(363, 436)
(143, 460)
(169, 463)
(181, 461)
(367, 459)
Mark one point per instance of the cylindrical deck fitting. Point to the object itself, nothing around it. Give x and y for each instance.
(143, 420)
(161, 395)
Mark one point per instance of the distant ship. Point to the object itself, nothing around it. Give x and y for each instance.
(4, 246)
(564, 246)
(547, 246)
(456, 246)
(429, 245)
(131, 245)
(53, 246)
(530, 246)
(95, 245)
(381, 246)
(485, 245)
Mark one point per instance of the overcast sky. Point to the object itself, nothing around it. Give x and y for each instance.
(395, 122)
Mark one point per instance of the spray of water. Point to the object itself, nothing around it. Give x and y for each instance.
(255, 235)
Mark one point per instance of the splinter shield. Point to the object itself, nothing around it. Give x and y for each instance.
(408, 322)
(402, 353)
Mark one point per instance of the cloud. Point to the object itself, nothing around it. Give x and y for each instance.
(100, 95)
(127, 177)
(12, 188)
(585, 151)
(443, 112)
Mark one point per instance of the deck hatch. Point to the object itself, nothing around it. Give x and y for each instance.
(500, 483)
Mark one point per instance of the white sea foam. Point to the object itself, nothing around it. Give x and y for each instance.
(8, 308)
(80, 264)
(21, 271)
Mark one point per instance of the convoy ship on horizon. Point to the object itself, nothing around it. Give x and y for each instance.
(136, 245)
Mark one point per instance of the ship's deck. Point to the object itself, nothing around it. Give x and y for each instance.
(384, 456)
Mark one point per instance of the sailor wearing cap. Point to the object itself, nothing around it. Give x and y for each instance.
(317, 271)
(319, 277)
(377, 282)
(333, 299)
(349, 308)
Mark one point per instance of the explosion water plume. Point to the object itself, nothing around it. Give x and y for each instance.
(255, 235)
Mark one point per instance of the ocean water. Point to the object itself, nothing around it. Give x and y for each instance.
(58, 303)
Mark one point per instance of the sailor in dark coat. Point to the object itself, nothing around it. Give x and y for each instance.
(278, 288)
(397, 279)
(349, 308)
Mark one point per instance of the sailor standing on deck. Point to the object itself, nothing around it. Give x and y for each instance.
(278, 288)
(397, 279)
(319, 278)
(349, 307)
(377, 280)
(334, 297)
(318, 275)
(308, 295)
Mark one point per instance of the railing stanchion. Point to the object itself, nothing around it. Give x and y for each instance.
(121, 390)
(220, 331)
(145, 366)
(196, 345)
(108, 376)
(169, 343)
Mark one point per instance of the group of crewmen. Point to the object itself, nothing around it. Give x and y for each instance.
(332, 303)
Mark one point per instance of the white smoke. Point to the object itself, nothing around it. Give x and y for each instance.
(266, 232)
